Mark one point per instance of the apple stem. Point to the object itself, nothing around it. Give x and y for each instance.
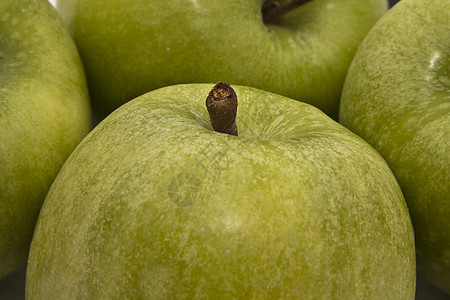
(273, 10)
(221, 104)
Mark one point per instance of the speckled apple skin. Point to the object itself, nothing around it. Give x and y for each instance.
(44, 113)
(397, 97)
(154, 204)
(132, 47)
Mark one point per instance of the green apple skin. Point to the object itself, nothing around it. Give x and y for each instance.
(132, 47)
(397, 97)
(44, 114)
(154, 204)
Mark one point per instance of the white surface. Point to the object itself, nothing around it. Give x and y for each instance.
(53, 2)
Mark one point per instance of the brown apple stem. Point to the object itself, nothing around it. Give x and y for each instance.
(221, 104)
(273, 10)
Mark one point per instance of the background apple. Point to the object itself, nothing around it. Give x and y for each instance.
(132, 47)
(44, 113)
(397, 97)
(155, 204)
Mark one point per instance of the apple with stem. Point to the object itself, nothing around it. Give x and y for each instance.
(296, 48)
(44, 113)
(281, 202)
(397, 97)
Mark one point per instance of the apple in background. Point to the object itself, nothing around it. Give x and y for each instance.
(155, 204)
(44, 113)
(132, 47)
(397, 97)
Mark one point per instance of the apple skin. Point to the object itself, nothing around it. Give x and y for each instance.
(397, 97)
(132, 47)
(44, 114)
(155, 204)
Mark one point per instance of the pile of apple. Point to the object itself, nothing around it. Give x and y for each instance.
(180, 194)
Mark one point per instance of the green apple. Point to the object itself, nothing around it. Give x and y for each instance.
(44, 113)
(132, 47)
(397, 97)
(155, 204)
